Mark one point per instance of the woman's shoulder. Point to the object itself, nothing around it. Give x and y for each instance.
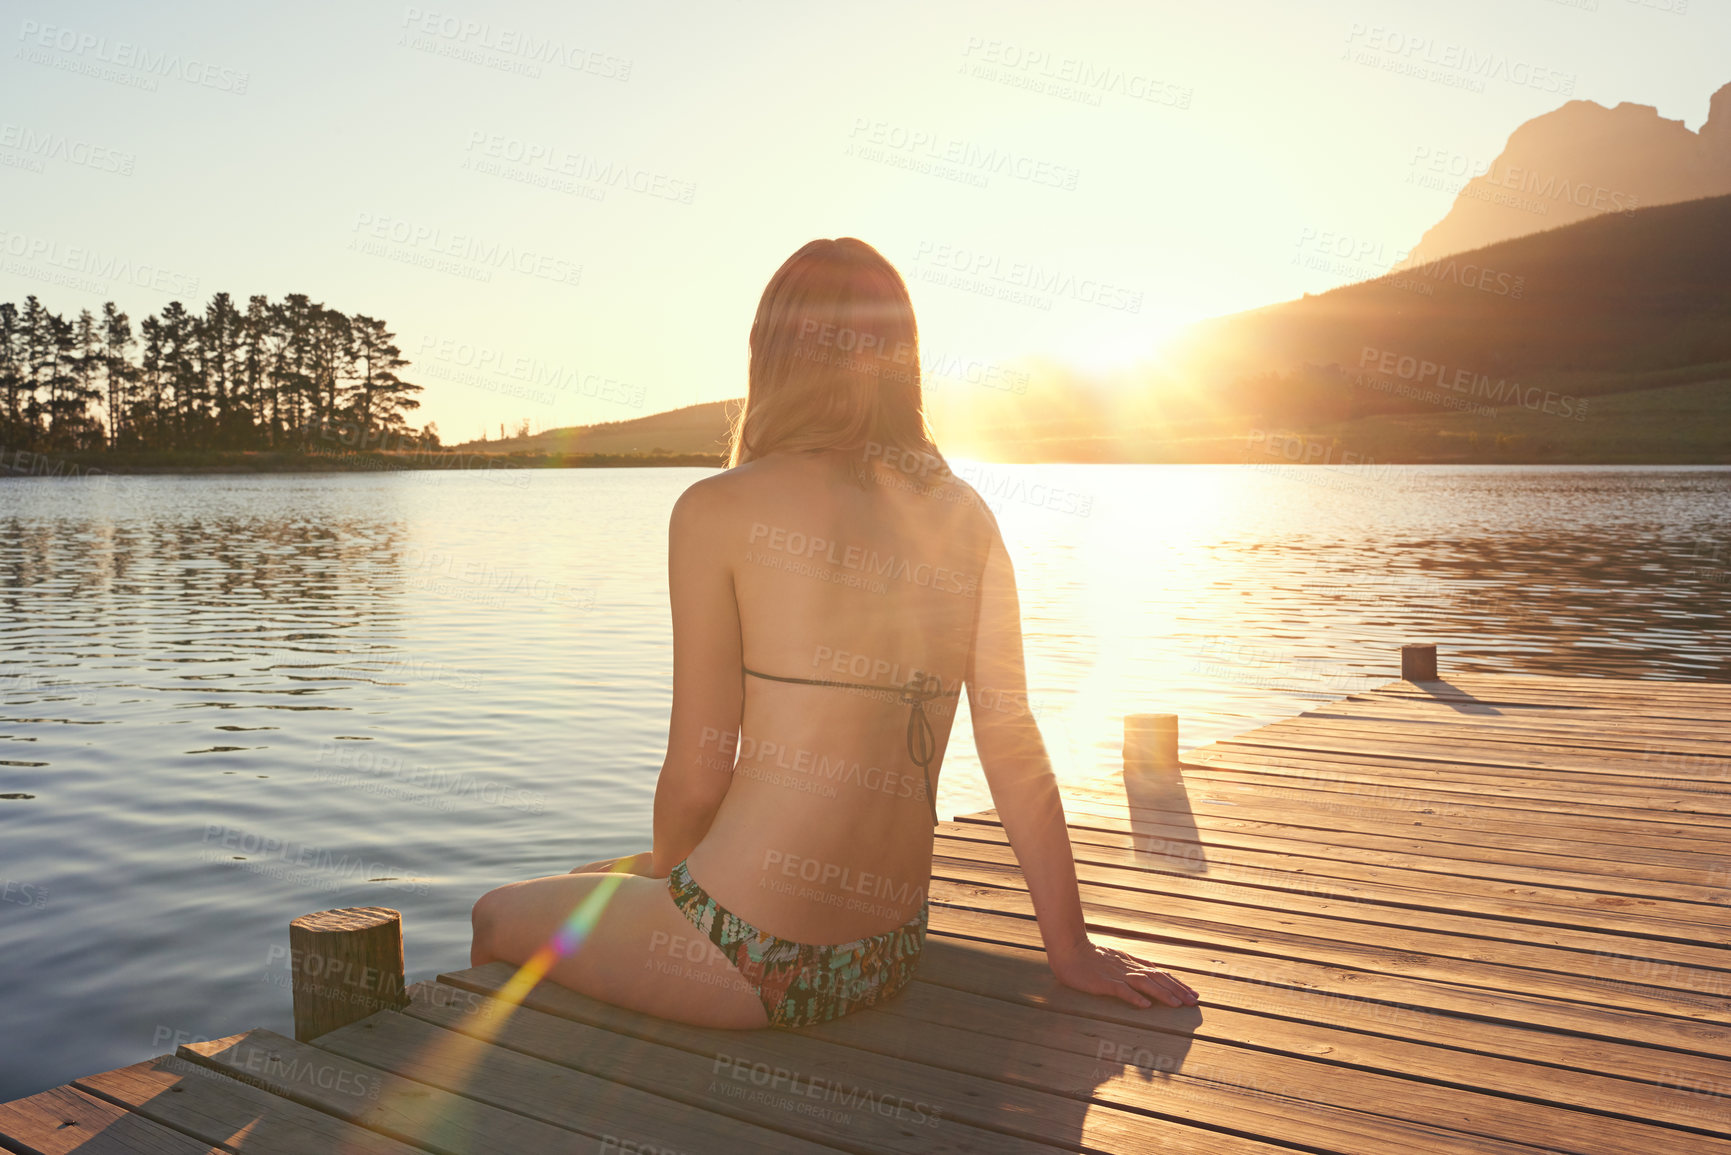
(705, 498)
(951, 491)
(712, 501)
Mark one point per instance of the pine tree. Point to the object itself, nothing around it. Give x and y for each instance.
(145, 420)
(36, 363)
(118, 372)
(75, 420)
(220, 361)
(179, 336)
(12, 373)
(379, 396)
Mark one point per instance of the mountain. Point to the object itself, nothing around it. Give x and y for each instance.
(1454, 360)
(693, 429)
(1577, 162)
(1589, 308)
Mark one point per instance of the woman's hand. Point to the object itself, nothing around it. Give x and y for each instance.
(1099, 970)
(642, 863)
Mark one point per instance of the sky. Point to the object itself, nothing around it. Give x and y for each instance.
(567, 211)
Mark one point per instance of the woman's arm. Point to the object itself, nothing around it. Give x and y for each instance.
(1025, 791)
(708, 689)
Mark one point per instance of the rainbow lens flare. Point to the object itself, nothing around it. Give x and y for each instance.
(447, 1064)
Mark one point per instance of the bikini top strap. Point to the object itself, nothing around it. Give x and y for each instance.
(916, 689)
(808, 681)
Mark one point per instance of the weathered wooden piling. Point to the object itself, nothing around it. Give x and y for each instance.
(347, 964)
(1418, 663)
(1150, 743)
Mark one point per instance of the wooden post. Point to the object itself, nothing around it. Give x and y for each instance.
(1150, 742)
(1418, 663)
(346, 964)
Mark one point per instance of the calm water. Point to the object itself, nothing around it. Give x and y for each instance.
(226, 702)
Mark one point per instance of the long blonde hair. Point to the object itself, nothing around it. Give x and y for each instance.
(835, 360)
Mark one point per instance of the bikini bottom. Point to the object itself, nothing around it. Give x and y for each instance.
(799, 983)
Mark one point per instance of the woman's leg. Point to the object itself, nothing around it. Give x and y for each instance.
(639, 863)
(638, 950)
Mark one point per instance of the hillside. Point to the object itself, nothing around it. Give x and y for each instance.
(1688, 424)
(1574, 163)
(693, 429)
(1588, 308)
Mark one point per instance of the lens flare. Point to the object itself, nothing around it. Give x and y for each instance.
(565, 941)
(448, 1064)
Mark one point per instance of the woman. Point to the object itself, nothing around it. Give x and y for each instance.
(832, 593)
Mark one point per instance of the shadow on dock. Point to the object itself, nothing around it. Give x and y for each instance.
(1163, 831)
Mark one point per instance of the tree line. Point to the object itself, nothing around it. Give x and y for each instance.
(276, 375)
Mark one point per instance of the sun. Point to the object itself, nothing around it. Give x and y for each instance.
(1119, 343)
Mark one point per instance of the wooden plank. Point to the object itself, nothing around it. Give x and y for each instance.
(1520, 1062)
(1230, 1095)
(1657, 704)
(1446, 759)
(1466, 823)
(63, 1120)
(1652, 713)
(1568, 680)
(1692, 718)
(1550, 732)
(1210, 822)
(1696, 975)
(1394, 799)
(1660, 700)
(1606, 742)
(229, 1114)
(1141, 1068)
(1400, 695)
(1567, 685)
(1586, 695)
(1608, 781)
(1179, 852)
(1441, 750)
(1487, 849)
(1610, 729)
(1685, 745)
(1519, 1102)
(1710, 965)
(1661, 810)
(488, 1069)
(1145, 829)
(1583, 1035)
(932, 1109)
(1128, 913)
(410, 1112)
(1286, 874)
(1218, 816)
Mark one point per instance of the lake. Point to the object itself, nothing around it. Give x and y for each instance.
(227, 701)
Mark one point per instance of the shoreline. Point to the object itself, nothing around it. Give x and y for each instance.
(27, 464)
(59, 467)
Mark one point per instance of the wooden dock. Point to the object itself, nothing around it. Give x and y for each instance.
(1483, 914)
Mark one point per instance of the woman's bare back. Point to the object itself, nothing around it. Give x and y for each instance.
(825, 832)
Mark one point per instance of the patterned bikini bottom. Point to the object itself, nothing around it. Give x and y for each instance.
(801, 984)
